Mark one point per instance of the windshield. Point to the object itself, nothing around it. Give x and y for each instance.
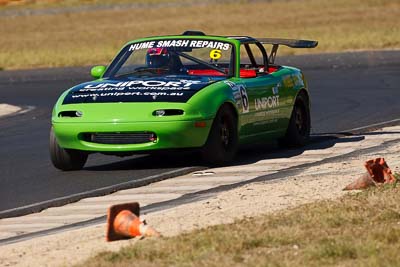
(187, 57)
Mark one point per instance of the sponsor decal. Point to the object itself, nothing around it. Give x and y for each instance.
(266, 113)
(297, 80)
(293, 81)
(181, 43)
(287, 81)
(232, 85)
(266, 102)
(236, 93)
(240, 94)
(143, 90)
(115, 94)
(140, 85)
(275, 89)
(270, 102)
(134, 88)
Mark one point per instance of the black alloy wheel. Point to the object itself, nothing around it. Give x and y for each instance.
(65, 159)
(222, 142)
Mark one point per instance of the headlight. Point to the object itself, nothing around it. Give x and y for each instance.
(167, 112)
(70, 113)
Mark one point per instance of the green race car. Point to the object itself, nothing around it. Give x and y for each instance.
(190, 91)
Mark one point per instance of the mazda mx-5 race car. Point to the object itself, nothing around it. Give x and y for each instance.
(188, 91)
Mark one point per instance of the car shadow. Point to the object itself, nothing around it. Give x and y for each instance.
(247, 155)
(253, 154)
(379, 133)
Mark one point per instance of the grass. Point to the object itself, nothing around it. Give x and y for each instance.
(91, 38)
(357, 230)
(42, 4)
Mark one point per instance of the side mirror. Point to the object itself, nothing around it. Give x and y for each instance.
(97, 71)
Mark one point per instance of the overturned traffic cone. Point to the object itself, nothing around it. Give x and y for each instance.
(378, 172)
(123, 222)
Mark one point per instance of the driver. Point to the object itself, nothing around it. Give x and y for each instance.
(158, 58)
(161, 58)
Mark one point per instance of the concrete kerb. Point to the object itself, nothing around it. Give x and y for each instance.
(37, 207)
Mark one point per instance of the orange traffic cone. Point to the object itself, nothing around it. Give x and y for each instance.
(378, 172)
(123, 222)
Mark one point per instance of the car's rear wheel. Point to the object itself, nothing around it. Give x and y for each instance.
(298, 131)
(65, 159)
(222, 142)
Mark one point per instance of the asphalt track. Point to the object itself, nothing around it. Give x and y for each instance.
(348, 91)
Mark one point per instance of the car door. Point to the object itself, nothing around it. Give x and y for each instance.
(262, 90)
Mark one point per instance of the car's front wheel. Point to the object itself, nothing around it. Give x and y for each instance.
(222, 142)
(65, 159)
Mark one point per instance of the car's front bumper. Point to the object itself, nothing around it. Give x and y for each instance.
(170, 135)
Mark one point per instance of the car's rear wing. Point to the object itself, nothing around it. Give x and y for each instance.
(287, 42)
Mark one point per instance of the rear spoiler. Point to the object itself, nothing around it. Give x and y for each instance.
(287, 42)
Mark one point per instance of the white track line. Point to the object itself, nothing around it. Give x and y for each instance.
(9, 110)
(372, 125)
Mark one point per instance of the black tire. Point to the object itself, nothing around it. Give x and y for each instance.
(223, 141)
(298, 131)
(65, 159)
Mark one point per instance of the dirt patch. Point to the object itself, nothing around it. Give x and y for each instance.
(6, 109)
(324, 181)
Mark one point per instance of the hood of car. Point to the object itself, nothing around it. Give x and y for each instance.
(142, 89)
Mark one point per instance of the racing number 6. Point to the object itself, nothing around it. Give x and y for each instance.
(215, 54)
(245, 99)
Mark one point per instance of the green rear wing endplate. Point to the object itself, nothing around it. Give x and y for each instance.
(275, 42)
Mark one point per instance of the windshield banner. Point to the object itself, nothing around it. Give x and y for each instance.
(180, 43)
